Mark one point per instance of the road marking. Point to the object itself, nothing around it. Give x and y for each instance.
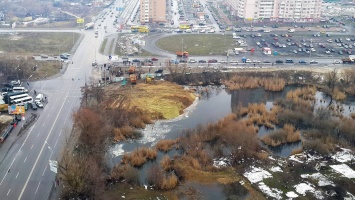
(39, 182)
(8, 192)
(40, 153)
(18, 152)
(17, 174)
(32, 146)
(25, 159)
(45, 169)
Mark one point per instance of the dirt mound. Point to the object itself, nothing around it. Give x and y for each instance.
(161, 100)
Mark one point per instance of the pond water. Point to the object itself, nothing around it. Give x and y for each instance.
(212, 106)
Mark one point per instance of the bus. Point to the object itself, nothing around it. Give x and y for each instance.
(19, 89)
(10, 94)
(141, 29)
(21, 96)
(23, 101)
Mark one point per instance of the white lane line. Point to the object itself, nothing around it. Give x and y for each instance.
(25, 159)
(40, 153)
(39, 182)
(55, 143)
(17, 174)
(18, 152)
(32, 146)
(8, 192)
(45, 169)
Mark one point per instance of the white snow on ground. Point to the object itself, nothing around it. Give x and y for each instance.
(322, 180)
(291, 194)
(276, 169)
(349, 196)
(257, 174)
(271, 192)
(344, 169)
(344, 156)
(221, 162)
(117, 150)
(302, 188)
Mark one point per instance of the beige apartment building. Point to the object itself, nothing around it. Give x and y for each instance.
(152, 11)
(277, 10)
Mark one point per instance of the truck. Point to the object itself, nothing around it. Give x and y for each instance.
(349, 60)
(133, 78)
(182, 54)
(132, 69)
(89, 26)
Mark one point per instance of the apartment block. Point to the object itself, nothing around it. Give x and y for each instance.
(278, 10)
(152, 11)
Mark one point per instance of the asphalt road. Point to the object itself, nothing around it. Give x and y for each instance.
(25, 171)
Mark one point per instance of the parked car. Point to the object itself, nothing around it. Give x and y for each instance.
(302, 62)
(192, 61)
(313, 62)
(201, 61)
(279, 62)
(154, 59)
(136, 60)
(39, 104)
(34, 106)
(212, 61)
(336, 62)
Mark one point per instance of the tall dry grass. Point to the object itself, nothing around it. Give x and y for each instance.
(248, 82)
(258, 115)
(167, 145)
(139, 156)
(166, 163)
(123, 133)
(287, 134)
(338, 95)
(305, 93)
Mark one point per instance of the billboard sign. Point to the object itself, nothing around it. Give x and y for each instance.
(15, 110)
(79, 20)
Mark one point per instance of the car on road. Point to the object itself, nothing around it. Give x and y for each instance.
(289, 61)
(39, 104)
(222, 61)
(192, 61)
(233, 62)
(154, 59)
(313, 62)
(62, 56)
(34, 106)
(212, 61)
(302, 62)
(15, 83)
(94, 63)
(279, 62)
(256, 61)
(266, 61)
(336, 62)
(248, 61)
(136, 60)
(203, 31)
(201, 61)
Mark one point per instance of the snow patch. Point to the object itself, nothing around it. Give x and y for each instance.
(117, 150)
(276, 169)
(291, 194)
(343, 156)
(221, 162)
(302, 188)
(257, 174)
(322, 180)
(271, 192)
(344, 169)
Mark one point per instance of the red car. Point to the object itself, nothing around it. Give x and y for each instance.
(212, 61)
(154, 59)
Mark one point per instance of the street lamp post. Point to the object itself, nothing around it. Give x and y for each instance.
(28, 85)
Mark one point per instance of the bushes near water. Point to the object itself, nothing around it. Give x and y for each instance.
(161, 180)
(167, 145)
(281, 136)
(247, 82)
(139, 156)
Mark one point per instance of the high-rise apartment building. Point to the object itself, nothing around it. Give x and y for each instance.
(152, 11)
(277, 10)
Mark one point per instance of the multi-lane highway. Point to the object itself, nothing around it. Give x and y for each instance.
(25, 172)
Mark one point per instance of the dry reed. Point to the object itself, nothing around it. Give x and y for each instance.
(139, 156)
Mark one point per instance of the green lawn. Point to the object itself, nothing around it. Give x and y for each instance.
(198, 44)
(37, 43)
(103, 46)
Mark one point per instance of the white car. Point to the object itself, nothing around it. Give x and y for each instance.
(248, 61)
(336, 62)
(222, 61)
(233, 62)
(39, 104)
(267, 31)
(256, 61)
(211, 31)
(192, 61)
(203, 31)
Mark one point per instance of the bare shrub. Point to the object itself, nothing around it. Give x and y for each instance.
(139, 156)
(338, 95)
(316, 146)
(249, 82)
(155, 176)
(287, 134)
(297, 151)
(166, 145)
(125, 172)
(170, 182)
(166, 163)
